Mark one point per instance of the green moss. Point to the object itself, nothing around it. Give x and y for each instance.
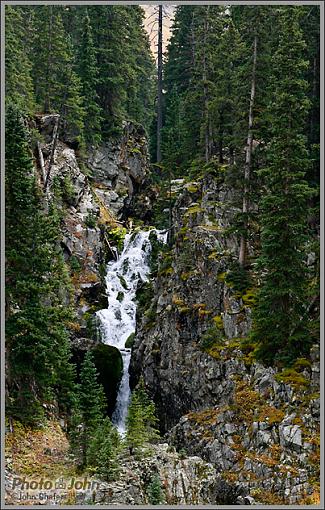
(271, 415)
(123, 282)
(249, 297)
(218, 321)
(195, 209)
(130, 341)
(292, 377)
(301, 364)
(192, 188)
(221, 277)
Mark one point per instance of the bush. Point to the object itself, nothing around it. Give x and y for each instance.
(237, 278)
(91, 220)
(74, 264)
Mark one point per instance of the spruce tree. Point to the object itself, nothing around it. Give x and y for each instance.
(19, 83)
(155, 492)
(88, 72)
(57, 86)
(278, 329)
(91, 401)
(141, 421)
(103, 451)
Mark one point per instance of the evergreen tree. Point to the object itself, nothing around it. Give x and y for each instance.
(278, 326)
(92, 403)
(88, 73)
(57, 86)
(19, 83)
(104, 449)
(155, 492)
(140, 86)
(141, 421)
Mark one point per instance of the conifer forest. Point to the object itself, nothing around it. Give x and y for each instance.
(162, 254)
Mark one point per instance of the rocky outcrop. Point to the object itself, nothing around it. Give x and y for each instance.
(119, 172)
(184, 481)
(191, 301)
(257, 426)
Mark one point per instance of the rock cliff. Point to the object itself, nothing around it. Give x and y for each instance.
(257, 426)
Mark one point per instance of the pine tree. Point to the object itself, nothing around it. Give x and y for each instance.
(278, 326)
(141, 421)
(140, 86)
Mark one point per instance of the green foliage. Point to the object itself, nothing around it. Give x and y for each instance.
(237, 278)
(91, 220)
(278, 329)
(103, 451)
(116, 236)
(57, 86)
(141, 421)
(88, 414)
(155, 491)
(75, 264)
(19, 84)
(88, 72)
(213, 336)
(67, 189)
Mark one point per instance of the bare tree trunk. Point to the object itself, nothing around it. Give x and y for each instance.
(248, 159)
(159, 96)
(54, 142)
(41, 161)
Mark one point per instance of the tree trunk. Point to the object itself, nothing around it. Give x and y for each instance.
(41, 161)
(248, 159)
(51, 161)
(159, 96)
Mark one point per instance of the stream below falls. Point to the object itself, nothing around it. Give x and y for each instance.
(118, 320)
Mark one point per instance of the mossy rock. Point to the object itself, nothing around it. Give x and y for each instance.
(109, 364)
(130, 341)
(120, 296)
(302, 364)
(218, 321)
(293, 378)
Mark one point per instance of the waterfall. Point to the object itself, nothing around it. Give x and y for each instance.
(118, 320)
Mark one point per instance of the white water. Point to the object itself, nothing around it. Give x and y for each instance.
(118, 320)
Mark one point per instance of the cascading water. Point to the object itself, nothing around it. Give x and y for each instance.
(118, 320)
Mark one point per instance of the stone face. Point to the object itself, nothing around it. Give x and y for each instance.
(290, 435)
(118, 170)
(194, 388)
